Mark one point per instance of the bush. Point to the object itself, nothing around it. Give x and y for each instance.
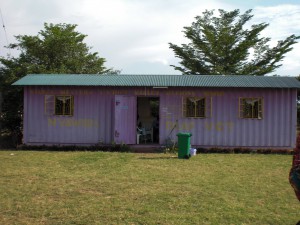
(296, 155)
(242, 150)
(7, 141)
(103, 148)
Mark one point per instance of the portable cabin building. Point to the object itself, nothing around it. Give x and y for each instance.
(219, 111)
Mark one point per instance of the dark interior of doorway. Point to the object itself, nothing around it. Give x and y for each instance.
(148, 119)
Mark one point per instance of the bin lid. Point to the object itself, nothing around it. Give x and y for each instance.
(184, 134)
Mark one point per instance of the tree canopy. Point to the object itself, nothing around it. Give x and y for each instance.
(58, 48)
(222, 45)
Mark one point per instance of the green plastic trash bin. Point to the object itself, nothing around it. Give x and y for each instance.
(184, 145)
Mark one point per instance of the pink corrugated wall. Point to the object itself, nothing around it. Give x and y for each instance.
(225, 128)
(93, 119)
(90, 124)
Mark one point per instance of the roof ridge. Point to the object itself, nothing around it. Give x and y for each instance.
(245, 81)
(177, 75)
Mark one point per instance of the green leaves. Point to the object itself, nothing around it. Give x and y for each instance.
(58, 48)
(220, 45)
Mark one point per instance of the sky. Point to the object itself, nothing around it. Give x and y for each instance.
(133, 35)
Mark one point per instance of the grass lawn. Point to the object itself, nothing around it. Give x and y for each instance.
(126, 188)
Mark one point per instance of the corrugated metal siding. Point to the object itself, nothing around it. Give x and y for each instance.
(158, 80)
(224, 128)
(26, 114)
(94, 108)
(90, 124)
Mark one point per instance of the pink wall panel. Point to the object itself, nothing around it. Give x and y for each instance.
(90, 124)
(225, 128)
(93, 119)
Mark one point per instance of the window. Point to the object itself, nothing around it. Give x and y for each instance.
(195, 107)
(64, 105)
(49, 105)
(251, 108)
(59, 105)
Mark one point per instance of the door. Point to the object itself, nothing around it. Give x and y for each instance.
(125, 119)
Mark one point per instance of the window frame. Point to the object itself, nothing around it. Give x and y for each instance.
(51, 109)
(66, 111)
(256, 111)
(200, 112)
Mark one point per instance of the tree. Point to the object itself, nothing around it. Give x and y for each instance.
(298, 103)
(56, 49)
(221, 45)
(12, 102)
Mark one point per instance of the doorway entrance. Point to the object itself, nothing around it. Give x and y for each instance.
(148, 119)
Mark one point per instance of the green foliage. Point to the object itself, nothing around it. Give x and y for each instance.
(170, 146)
(12, 105)
(243, 150)
(298, 103)
(221, 45)
(59, 48)
(102, 148)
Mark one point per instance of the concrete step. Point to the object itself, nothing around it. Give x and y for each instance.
(146, 148)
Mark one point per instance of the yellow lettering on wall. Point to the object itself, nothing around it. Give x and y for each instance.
(213, 93)
(181, 125)
(219, 126)
(51, 122)
(146, 92)
(67, 122)
(119, 92)
(208, 126)
(60, 92)
(181, 93)
(170, 125)
(186, 126)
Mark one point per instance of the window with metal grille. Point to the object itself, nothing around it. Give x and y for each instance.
(251, 108)
(59, 105)
(195, 107)
(64, 105)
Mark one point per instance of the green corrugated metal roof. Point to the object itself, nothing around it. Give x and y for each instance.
(158, 80)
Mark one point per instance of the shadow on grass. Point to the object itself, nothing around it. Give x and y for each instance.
(160, 158)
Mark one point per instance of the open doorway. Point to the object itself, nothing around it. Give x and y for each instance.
(148, 119)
